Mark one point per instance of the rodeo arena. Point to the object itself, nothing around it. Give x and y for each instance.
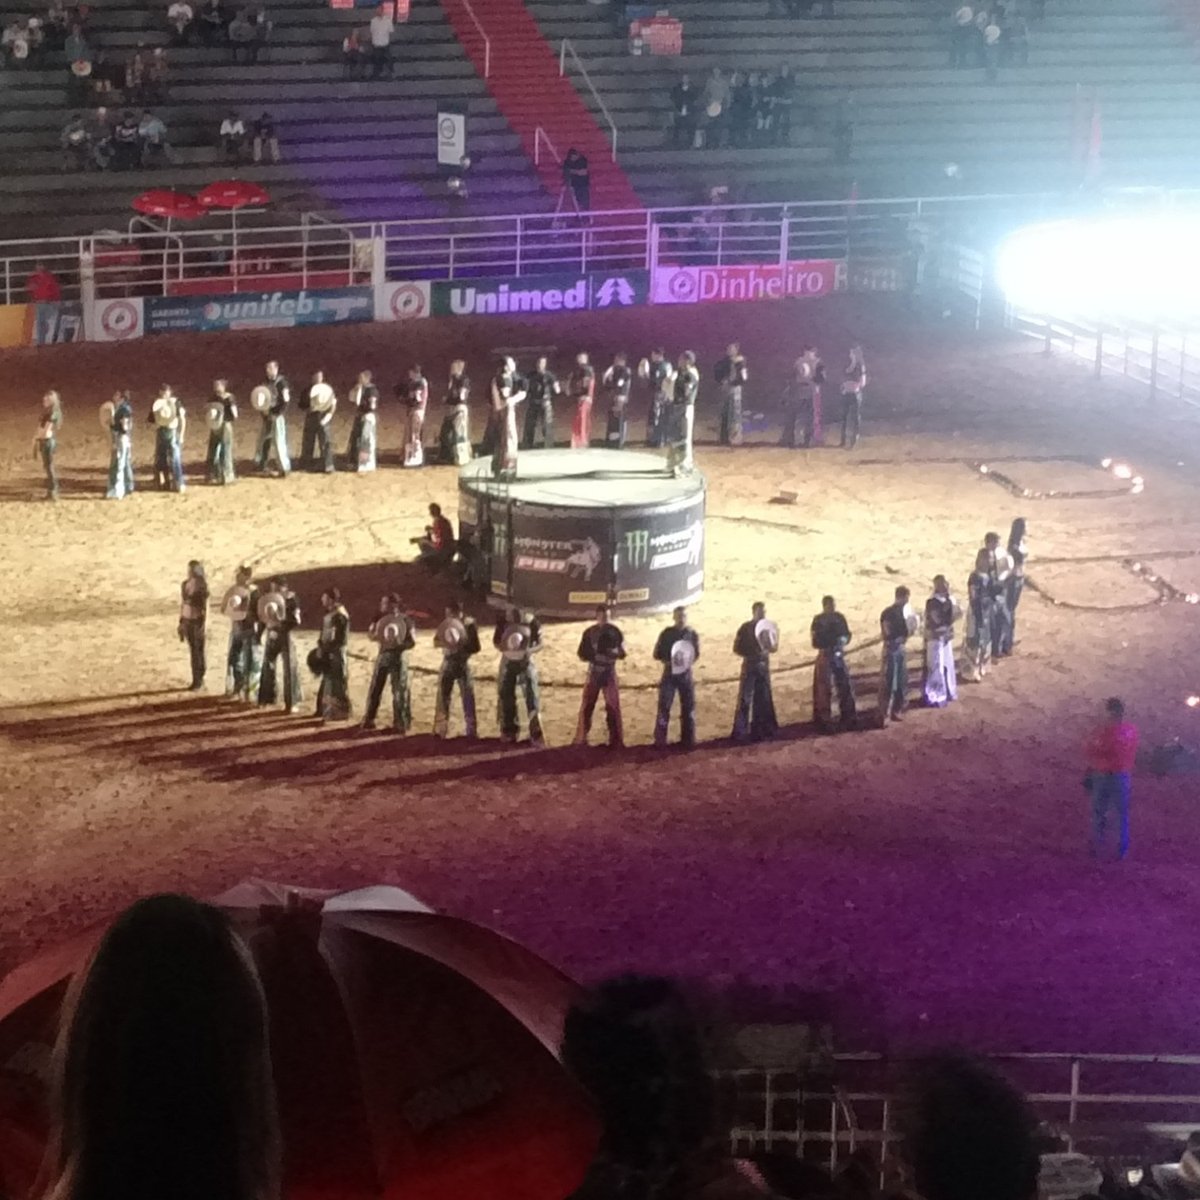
(602, 600)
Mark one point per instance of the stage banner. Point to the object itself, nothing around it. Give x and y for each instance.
(40, 324)
(660, 556)
(765, 281)
(266, 310)
(451, 137)
(401, 301)
(114, 320)
(543, 293)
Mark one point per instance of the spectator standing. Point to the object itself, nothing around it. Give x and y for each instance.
(243, 45)
(135, 76)
(156, 147)
(741, 109)
(354, 58)
(962, 36)
(577, 176)
(716, 106)
(42, 286)
(180, 19)
(262, 31)
(162, 1079)
(992, 34)
(1111, 750)
(382, 27)
(76, 46)
(233, 137)
(266, 140)
(212, 22)
(55, 24)
(155, 87)
(782, 95)
(684, 102)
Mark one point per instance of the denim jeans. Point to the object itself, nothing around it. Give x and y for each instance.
(686, 687)
(1109, 791)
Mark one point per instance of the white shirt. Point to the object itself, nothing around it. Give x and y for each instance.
(381, 30)
(179, 12)
(991, 35)
(964, 16)
(232, 127)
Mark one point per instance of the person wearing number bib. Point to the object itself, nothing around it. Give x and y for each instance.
(518, 638)
(243, 661)
(454, 437)
(601, 647)
(193, 615)
(279, 646)
(223, 412)
(508, 391)
(830, 637)
(683, 416)
(120, 463)
(458, 639)
(617, 383)
(756, 640)
(333, 697)
(415, 393)
(316, 446)
(660, 375)
(272, 440)
(393, 631)
(677, 648)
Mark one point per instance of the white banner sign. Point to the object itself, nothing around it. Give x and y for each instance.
(114, 320)
(451, 138)
(401, 301)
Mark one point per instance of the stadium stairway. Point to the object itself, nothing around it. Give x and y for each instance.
(885, 64)
(352, 150)
(525, 81)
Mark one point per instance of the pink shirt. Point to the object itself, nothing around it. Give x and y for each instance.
(1112, 748)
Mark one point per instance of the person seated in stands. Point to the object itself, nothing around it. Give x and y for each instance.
(161, 1081)
(154, 88)
(211, 22)
(685, 103)
(135, 76)
(55, 24)
(233, 137)
(242, 38)
(437, 547)
(782, 97)
(262, 30)
(354, 55)
(101, 133)
(266, 140)
(76, 144)
(156, 146)
(76, 47)
(382, 27)
(180, 18)
(127, 143)
(966, 1133)
(635, 1047)
(763, 123)
(14, 42)
(108, 78)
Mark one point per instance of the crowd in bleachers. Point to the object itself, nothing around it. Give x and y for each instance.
(990, 37)
(163, 1087)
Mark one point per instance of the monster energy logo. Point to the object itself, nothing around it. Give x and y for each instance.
(637, 547)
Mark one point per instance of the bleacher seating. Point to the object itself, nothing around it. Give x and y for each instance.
(912, 113)
(355, 150)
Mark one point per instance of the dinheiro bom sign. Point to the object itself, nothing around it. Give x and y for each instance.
(759, 281)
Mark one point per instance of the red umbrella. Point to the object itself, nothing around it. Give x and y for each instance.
(233, 193)
(166, 202)
(413, 1053)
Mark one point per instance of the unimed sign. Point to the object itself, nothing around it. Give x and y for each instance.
(761, 281)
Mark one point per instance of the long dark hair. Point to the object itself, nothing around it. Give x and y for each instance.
(1016, 533)
(162, 1080)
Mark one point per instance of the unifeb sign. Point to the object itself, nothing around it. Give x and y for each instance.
(754, 281)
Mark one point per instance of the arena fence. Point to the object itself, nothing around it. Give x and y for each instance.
(218, 254)
(1163, 364)
(1119, 1106)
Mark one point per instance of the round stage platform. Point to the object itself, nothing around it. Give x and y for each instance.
(577, 528)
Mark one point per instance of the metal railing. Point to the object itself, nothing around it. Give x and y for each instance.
(487, 41)
(320, 253)
(565, 49)
(542, 138)
(1111, 1104)
(1163, 363)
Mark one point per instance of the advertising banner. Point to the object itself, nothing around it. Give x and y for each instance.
(893, 274)
(40, 324)
(115, 320)
(764, 281)
(660, 556)
(401, 301)
(560, 566)
(545, 293)
(265, 310)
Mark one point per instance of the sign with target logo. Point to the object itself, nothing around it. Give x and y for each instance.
(401, 301)
(116, 320)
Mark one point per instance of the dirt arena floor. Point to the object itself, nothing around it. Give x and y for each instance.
(925, 882)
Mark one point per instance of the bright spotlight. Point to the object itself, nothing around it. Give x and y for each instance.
(1192, 598)
(1122, 471)
(1106, 463)
(1137, 485)
(1139, 268)
(1193, 702)
(983, 468)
